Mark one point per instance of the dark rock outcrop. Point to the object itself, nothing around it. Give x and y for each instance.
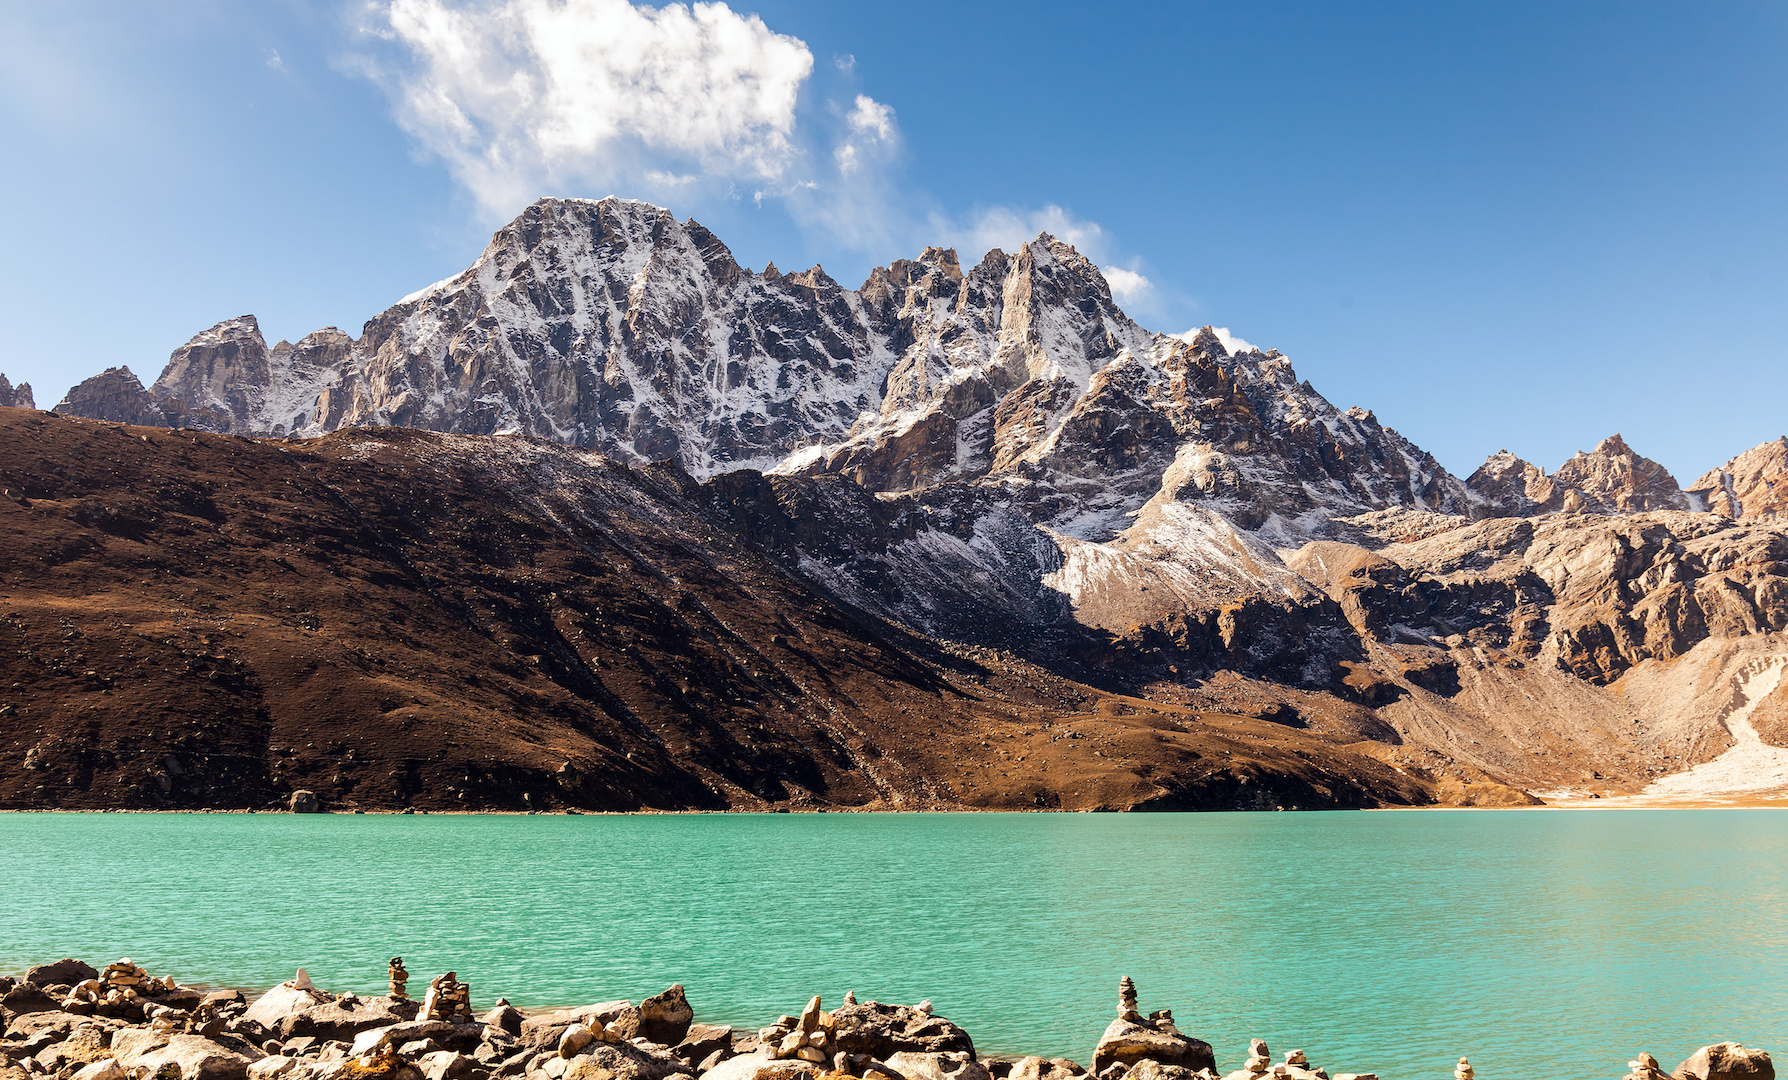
(880, 1030)
(113, 394)
(65, 972)
(16, 397)
(1726, 1061)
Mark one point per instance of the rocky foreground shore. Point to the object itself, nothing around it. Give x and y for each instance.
(69, 1021)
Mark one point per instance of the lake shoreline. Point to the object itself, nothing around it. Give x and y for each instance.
(67, 1020)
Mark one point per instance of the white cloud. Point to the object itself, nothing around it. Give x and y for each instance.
(273, 60)
(1127, 286)
(1008, 229)
(680, 104)
(521, 96)
(1230, 342)
(871, 118)
(872, 128)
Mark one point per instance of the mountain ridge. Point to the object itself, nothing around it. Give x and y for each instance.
(998, 456)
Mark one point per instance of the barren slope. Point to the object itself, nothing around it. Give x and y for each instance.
(396, 618)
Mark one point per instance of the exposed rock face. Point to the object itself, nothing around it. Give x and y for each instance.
(611, 325)
(1595, 597)
(1752, 486)
(113, 394)
(1509, 486)
(16, 397)
(1611, 479)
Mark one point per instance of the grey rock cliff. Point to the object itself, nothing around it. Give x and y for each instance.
(16, 397)
(114, 394)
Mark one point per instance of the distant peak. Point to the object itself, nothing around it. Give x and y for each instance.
(1613, 446)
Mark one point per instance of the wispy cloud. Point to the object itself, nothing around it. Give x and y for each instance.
(521, 97)
(1007, 228)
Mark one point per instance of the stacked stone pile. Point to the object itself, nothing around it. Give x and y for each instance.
(1296, 1066)
(1133, 1039)
(296, 1031)
(447, 999)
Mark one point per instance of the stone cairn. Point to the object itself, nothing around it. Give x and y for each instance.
(447, 999)
(1260, 1059)
(1127, 1001)
(1296, 1066)
(117, 984)
(809, 1037)
(1462, 1071)
(1645, 1067)
(398, 975)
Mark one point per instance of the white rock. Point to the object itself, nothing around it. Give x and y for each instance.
(269, 1067)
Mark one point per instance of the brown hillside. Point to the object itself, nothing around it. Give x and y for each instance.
(394, 618)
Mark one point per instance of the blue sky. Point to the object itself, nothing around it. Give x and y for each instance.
(1509, 225)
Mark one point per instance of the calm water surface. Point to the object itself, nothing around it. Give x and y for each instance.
(1542, 944)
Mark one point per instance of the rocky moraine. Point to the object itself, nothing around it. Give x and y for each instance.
(69, 1021)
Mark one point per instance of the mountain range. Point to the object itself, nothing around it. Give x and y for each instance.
(989, 483)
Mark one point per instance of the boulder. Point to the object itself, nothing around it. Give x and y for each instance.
(304, 802)
(86, 1044)
(280, 1002)
(1126, 1043)
(270, 1067)
(545, 1029)
(626, 1025)
(53, 1026)
(954, 1065)
(665, 1018)
(1154, 1070)
(1726, 1061)
(624, 1061)
(65, 972)
(289, 1012)
(196, 1057)
(23, 999)
(108, 1069)
(1036, 1068)
(575, 1039)
(373, 1040)
(449, 1065)
(505, 1018)
(880, 1030)
(758, 1065)
(701, 1040)
(383, 1066)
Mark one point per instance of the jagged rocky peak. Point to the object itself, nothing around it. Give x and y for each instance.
(1611, 479)
(1509, 486)
(114, 394)
(217, 380)
(16, 397)
(1753, 485)
(611, 325)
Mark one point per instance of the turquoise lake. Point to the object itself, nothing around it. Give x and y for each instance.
(1542, 944)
